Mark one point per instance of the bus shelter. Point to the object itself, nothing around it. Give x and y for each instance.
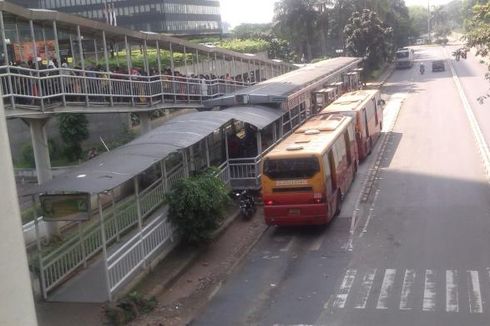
(112, 207)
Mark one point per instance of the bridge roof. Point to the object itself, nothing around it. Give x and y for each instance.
(277, 89)
(112, 169)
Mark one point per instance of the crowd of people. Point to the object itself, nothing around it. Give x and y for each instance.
(33, 79)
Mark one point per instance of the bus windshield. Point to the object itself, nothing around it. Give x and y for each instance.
(401, 55)
(291, 168)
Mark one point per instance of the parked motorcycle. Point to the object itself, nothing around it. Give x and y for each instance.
(422, 68)
(246, 202)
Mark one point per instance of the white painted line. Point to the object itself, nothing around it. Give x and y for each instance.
(474, 293)
(408, 282)
(386, 287)
(477, 133)
(452, 291)
(370, 215)
(288, 246)
(429, 291)
(317, 244)
(345, 287)
(367, 284)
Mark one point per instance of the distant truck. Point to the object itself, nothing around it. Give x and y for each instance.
(404, 58)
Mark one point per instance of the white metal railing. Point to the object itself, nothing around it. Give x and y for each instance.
(138, 251)
(58, 264)
(224, 173)
(63, 86)
(245, 172)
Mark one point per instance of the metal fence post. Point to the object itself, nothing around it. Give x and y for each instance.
(107, 69)
(114, 215)
(140, 220)
(39, 251)
(6, 60)
(82, 61)
(82, 245)
(104, 248)
(58, 57)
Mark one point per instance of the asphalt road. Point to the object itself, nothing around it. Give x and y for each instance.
(413, 252)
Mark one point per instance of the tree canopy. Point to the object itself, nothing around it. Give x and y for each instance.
(315, 28)
(367, 36)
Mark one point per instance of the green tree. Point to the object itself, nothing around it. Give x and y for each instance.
(418, 20)
(478, 29)
(295, 21)
(196, 206)
(367, 36)
(440, 23)
(74, 130)
(478, 35)
(246, 31)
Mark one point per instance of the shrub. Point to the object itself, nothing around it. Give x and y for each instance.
(28, 155)
(196, 206)
(128, 308)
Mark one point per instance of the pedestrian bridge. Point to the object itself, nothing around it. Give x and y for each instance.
(28, 92)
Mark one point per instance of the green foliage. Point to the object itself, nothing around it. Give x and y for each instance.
(73, 130)
(478, 29)
(128, 308)
(244, 45)
(196, 206)
(367, 36)
(27, 154)
(315, 28)
(418, 20)
(252, 31)
(478, 36)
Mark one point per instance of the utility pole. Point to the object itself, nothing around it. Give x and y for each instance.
(16, 300)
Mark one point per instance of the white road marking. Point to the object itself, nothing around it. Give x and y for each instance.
(367, 284)
(370, 215)
(345, 287)
(317, 244)
(474, 293)
(429, 291)
(288, 246)
(408, 282)
(452, 291)
(477, 133)
(386, 287)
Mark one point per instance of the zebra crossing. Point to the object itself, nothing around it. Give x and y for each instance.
(414, 290)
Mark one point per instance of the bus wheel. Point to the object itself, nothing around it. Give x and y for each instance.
(338, 207)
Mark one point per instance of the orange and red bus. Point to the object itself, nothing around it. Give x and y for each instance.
(305, 177)
(366, 108)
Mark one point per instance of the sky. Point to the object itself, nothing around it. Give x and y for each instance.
(236, 12)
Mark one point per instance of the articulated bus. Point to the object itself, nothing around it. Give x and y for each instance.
(366, 108)
(305, 177)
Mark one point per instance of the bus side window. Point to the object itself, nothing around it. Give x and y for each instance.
(347, 147)
(365, 121)
(375, 110)
(328, 174)
(333, 168)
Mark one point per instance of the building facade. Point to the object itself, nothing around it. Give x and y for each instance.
(178, 17)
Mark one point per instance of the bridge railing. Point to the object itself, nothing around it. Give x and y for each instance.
(38, 89)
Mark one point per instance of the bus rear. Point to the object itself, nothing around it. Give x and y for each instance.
(293, 190)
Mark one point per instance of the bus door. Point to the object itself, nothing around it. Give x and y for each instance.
(366, 123)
